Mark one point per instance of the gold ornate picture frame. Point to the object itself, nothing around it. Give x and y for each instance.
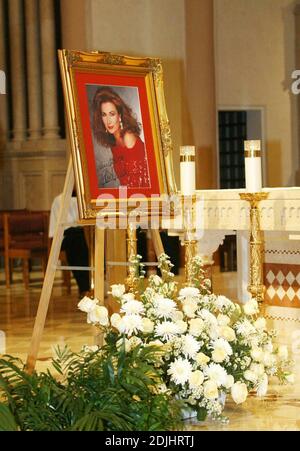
(118, 128)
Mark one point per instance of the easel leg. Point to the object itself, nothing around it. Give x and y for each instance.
(50, 272)
(99, 276)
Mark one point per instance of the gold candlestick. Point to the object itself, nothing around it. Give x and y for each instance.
(189, 242)
(256, 287)
(131, 239)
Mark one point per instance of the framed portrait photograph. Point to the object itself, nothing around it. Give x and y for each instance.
(118, 129)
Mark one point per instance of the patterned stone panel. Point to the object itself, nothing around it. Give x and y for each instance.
(282, 282)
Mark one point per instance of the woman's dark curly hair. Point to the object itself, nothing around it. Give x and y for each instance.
(130, 124)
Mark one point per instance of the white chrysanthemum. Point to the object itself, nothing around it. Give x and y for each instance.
(251, 307)
(196, 326)
(117, 290)
(167, 330)
(130, 324)
(262, 386)
(99, 315)
(217, 373)
(196, 379)
(221, 350)
(188, 292)
(132, 307)
(180, 370)
(245, 328)
(164, 307)
(190, 346)
(222, 302)
(209, 318)
(87, 304)
(127, 297)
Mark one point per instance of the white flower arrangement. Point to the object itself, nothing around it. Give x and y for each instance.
(207, 344)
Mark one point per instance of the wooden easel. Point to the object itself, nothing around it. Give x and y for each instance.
(52, 266)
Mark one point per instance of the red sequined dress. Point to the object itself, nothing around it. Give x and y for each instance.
(131, 165)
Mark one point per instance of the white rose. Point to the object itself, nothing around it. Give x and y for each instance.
(250, 376)
(257, 368)
(251, 307)
(269, 359)
(219, 354)
(189, 308)
(182, 326)
(290, 378)
(148, 325)
(223, 320)
(260, 324)
(98, 315)
(262, 385)
(283, 352)
(115, 320)
(229, 381)
(239, 392)
(196, 379)
(177, 315)
(196, 326)
(227, 333)
(201, 358)
(117, 290)
(210, 390)
(257, 354)
(87, 304)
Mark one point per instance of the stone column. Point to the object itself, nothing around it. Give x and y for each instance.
(33, 69)
(17, 69)
(200, 114)
(3, 81)
(49, 78)
(297, 66)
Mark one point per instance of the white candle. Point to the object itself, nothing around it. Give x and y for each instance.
(253, 166)
(187, 170)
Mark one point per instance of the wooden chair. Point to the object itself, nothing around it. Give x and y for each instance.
(25, 237)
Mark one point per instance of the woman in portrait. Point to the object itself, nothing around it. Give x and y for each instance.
(115, 126)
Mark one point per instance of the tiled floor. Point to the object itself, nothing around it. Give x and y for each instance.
(279, 410)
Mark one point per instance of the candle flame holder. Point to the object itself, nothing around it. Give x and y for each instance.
(256, 287)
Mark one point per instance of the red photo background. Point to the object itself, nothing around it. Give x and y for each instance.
(81, 80)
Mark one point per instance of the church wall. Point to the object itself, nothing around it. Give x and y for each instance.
(255, 57)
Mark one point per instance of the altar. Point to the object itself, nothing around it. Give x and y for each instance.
(222, 212)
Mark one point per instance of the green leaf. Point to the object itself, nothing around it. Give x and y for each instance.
(201, 414)
(7, 420)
